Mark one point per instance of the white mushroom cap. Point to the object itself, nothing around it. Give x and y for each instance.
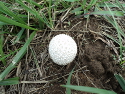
(62, 49)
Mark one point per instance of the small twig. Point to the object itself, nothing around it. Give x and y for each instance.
(63, 18)
(18, 69)
(76, 25)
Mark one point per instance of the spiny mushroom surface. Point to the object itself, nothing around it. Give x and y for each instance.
(62, 49)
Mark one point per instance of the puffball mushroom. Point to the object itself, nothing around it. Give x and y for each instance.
(62, 49)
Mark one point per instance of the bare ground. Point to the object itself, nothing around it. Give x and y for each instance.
(95, 64)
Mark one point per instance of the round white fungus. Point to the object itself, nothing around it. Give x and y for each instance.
(62, 49)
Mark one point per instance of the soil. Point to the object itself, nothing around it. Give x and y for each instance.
(94, 63)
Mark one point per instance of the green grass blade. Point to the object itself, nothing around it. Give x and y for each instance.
(101, 1)
(92, 3)
(49, 13)
(110, 5)
(84, 3)
(7, 11)
(119, 31)
(11, 53)
(10, 81)
(17, 57)
(77, 11)
(1, 49)
(32, 11)
(26, 7)
(40, 16)
(34, 3)
(18, 36)
(120, 80)
(12, 22)
(5, 32)
(109, 19)
(44, 19)
(2, 23)
(115, 13)
(121, 6)
(68, 91)
(71, 0)
(89, 89)
(122, 62)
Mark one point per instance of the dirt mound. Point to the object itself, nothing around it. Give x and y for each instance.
(99, 58)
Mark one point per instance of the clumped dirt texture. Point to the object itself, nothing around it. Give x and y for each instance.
(94, 63)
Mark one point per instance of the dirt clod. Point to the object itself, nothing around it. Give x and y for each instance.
(96, 67)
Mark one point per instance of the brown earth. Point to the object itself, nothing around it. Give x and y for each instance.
(95, 66)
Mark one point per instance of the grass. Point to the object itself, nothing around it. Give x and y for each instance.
(121, 81)
(119, 32)
(31, 16)
(68, 87)
(10, 81)
(88, 89)
(18, 36)
(17, 57)
(1, 49)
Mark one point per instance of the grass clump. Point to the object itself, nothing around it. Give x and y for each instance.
(15, 60)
